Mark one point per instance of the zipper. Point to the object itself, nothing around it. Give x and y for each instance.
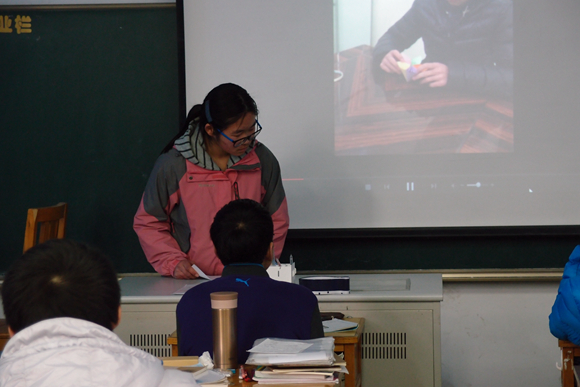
(236, 191)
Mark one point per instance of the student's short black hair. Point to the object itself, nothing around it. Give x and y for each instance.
(242, 232)
(61, 278)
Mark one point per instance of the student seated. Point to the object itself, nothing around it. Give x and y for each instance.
(62, 301)
(565, 316)
(242, 233)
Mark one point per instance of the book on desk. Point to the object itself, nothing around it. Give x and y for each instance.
(338, 325)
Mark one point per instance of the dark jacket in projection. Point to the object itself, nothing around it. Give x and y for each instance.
(474, 40)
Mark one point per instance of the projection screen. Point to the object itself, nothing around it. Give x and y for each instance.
(362, 147)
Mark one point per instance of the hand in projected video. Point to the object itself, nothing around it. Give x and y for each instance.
(433, 74)
(389, 62)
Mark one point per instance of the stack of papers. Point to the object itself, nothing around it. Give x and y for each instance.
(295, 361)
(269, 351)
(272, 375)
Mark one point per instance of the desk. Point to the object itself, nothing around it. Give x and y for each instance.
(348, 343)
(408, 118)
(234, 379)
(402, 332)
(237, 382)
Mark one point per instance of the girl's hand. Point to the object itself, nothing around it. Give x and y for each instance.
(183, 270)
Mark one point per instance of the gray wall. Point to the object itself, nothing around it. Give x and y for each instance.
(497, 334)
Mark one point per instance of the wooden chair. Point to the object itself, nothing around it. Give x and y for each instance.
(45, 223)
(570, 351)
(3, 334)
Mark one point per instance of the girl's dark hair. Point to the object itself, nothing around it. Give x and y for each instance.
(226, 104)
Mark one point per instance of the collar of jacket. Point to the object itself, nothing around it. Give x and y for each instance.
(245, 269)
(191, 147)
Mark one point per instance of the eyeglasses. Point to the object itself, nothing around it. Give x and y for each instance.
(239, 142)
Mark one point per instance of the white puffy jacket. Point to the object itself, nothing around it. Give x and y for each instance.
(71, 352)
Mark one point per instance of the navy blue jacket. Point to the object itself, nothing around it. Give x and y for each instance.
(266, 308)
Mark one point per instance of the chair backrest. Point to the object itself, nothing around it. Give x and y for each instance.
(570, 352)
(4, 336)
(45, 223)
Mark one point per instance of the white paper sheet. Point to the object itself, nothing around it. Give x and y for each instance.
(279, 346)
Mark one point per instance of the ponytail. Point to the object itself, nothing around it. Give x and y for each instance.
(193, 114)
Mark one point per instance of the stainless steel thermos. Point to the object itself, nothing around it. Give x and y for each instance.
(224, 310)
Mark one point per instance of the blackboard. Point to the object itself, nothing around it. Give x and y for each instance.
(88, 99)
(532, 248)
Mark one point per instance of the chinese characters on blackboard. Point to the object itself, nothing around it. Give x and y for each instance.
(20, 24)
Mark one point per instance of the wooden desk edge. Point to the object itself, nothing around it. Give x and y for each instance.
(566, 344)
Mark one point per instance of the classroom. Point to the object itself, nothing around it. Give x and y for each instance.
(92, 90)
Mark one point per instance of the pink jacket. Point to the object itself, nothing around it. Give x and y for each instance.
(184, 192)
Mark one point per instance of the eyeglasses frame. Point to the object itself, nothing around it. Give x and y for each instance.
(241, 141)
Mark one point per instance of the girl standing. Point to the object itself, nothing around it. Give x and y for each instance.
(214, 160)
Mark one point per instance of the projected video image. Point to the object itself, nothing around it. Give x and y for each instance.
(423, 76)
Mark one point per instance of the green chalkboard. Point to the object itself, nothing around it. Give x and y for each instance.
(88, 98)
(436, 249)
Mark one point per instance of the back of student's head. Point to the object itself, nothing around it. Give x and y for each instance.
(242, 232)
(61, 278)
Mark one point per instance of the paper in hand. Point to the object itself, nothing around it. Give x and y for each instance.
(201, 273)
